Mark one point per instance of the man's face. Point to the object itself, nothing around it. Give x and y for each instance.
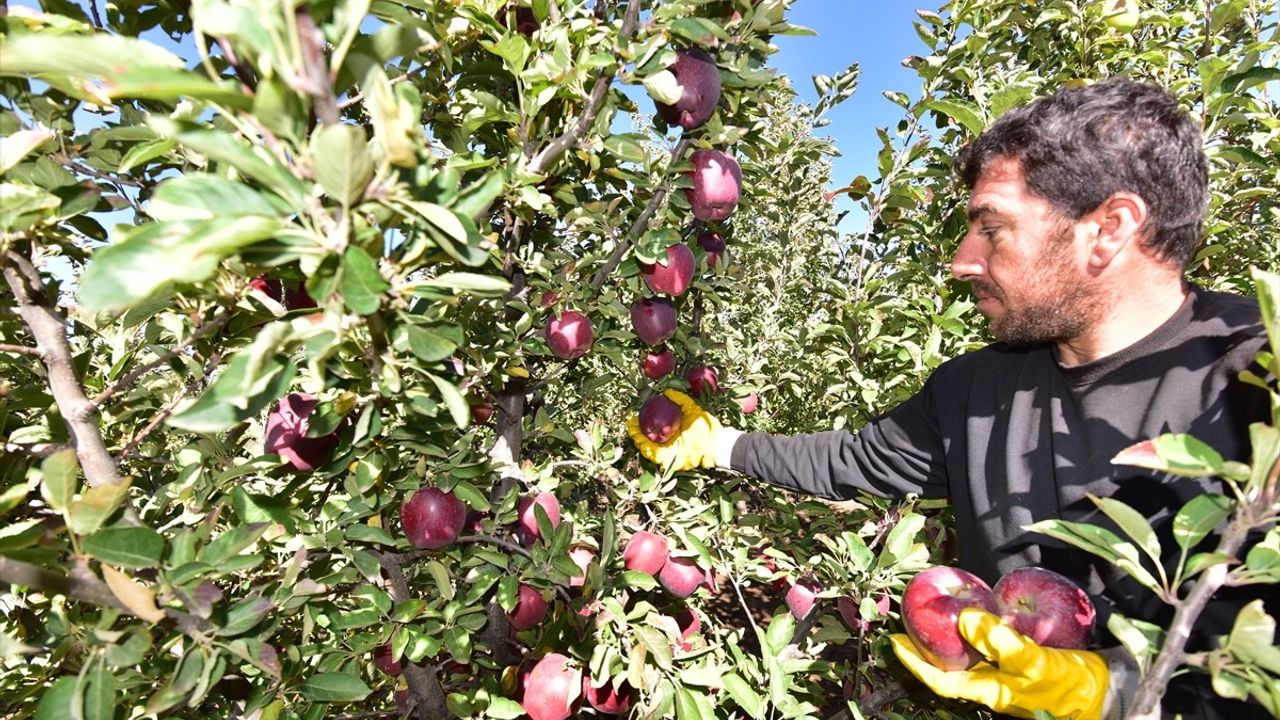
(1024, 263)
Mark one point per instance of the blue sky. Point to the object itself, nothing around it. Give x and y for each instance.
(877, 35)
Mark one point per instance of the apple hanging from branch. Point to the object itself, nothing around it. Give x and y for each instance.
(674, 277)
(286, 433)
(687, 92)
(657, 363)
(717, 180)
(569, 334)
(433, 518)
(653, 319)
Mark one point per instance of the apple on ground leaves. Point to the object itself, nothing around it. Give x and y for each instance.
(528, 524)
(530, 608)
(609, 699)
(801, 597)
(931, 605)
(569, 334)
(689, 623)
(681, 576)
(714, 245)
(552, 689)
(646, 552)
(653, 319)
(703, 379)
(674, 277)
(1046, 607)
(433, 518)
(699, 80)
(717, 180)
(658, 363)
(286, 434)
(383, 661)
(660, 418)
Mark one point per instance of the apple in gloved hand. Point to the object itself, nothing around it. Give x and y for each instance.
(660, 419)
(1046, 607)
(930, 606)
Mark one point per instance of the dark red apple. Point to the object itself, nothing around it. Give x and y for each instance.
(528, 521)
(680, 576)
(658, 363)
(383, 661)
(286, 434)
(674, 277)
(717, 180)
(525, 21)
(472, 524)
(569, 334)
(660, 418)
(552, 689)
(481, 412)
(608, 699)
(703, 379)
(699, 81)
(646, 552)
(293, 296)
(930, 606)
(530, 608)
(801, 597)
(848, 608)
(1046, 607)
(582, 556)
(654, 319)
(714, 246)
(689, 623)
(749, 403)
(433, 518)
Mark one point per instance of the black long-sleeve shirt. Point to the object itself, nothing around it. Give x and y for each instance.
(1012, 437)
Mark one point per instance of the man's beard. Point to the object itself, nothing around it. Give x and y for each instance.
(1061, 307)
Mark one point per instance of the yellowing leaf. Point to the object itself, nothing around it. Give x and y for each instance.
(135, 596)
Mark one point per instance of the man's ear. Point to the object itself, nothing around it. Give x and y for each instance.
(1119, 221)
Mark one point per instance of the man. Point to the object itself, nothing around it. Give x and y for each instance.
(1085, 209)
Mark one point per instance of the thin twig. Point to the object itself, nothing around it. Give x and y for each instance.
(491, 540)
(35, 449)
(242, 72)
(93, 10)
(49, 329)
(22, 350)
(128, 379)
(353, 99)
(155, 421)
(315, 69)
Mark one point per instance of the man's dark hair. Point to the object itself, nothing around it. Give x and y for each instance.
(1082, 144)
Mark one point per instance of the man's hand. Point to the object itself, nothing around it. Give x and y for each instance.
(1022, 677)
(694, 446)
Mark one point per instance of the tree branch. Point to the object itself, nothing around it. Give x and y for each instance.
(22, 350)
(129, 378)
(315, 69)
(641, 224)
(49, 330)
(425, 692)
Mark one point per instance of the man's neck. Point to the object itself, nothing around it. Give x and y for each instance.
(1133, 314)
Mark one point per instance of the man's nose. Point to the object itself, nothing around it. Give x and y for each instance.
(968, 261)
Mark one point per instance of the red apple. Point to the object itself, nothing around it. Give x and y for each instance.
(699, 81)
(660, 418)
(680, 576)
(714, 246)
(653, 319)
(569, 335)
(582, 557)
(528, 521)
(657, 363)
(717, 180)
(848, 608)
(402, 702)
(472, 524)
(930, 606)
(530, 608)
(481, 412)
(286, 434)
(552, 689)
(646, 552)
(674, 277)
(293, 296)
(749, 403)
(525, 21)
(703, 379)
(801, 597)
(433, 518)
(607, 698)
(383, 661)
(1046, 607)
(689, 623)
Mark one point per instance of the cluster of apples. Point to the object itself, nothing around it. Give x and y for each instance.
(1048, 608)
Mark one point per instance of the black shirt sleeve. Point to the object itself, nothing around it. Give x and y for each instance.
(895, 454)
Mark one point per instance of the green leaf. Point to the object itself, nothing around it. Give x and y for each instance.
(23, 205)
(252, 161)
(231, 543)
(202, 197)
(61, 472)
(55, 702)
(686, 705)
(102, 55)
(343, 166)
(12, 497)
(901, 538)
(778, 636)
(640, 580)
(245, 614)
(237, 395)
(1132, 523)
(362, 285)
(334, 687)
(1177, 454)
(1141, 639)
(664, 88)
(443, 581)
(962, 111)
(95, 505)
(131, 547)
(458, 641)
(426, 344)
(747, 698)
(100, 693)
(453, 399)
(462, 282)
(501, 708)
(1199, 517)
(1252, 77)
(1101, 542)
(172, 84)
(17, 146)
(479, 196)
(700, 30)
(145, 152)
(1251, 637)
(658, 643)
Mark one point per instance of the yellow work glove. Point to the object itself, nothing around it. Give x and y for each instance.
(693, 446)
(1022, 677)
